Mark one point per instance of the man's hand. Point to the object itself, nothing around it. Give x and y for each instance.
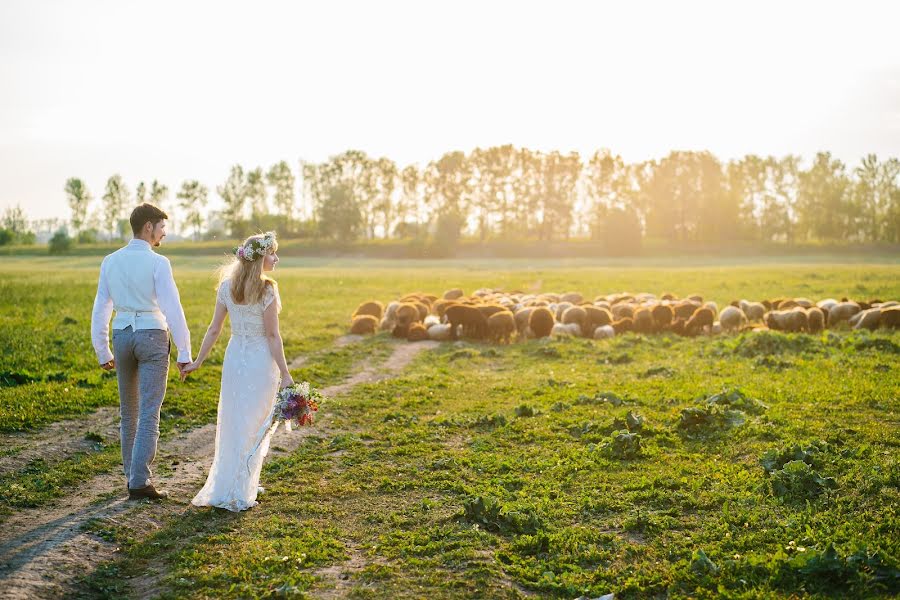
(109, 366)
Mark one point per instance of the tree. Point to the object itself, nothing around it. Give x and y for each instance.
(256, 194)
(234, 193)
(822, 207)
(558, 178)
(408, 208)
(114, 201)
(282, 179)
(339, 214)
(159, 193)
(385, 182)
(140, 193)
(448, 182)
(193, 196)
(79, 198)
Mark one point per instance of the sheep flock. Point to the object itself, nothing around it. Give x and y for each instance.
(501, 317)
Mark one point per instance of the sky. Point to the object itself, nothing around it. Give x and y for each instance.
(183, 90)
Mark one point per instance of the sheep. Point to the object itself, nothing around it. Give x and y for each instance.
(732, 318)
(540, 321)
(372, 307)
(685, 308)
(792, 320)
(623, 325)
(754, 311)
(422, 308)
(407, 314)
(560, 308)
(390, 317)
(440, 306)
(867, 319)
(603, 332)
(696, 298)
(827, 304)
(715, 328)
(643, 320)
(804, 302)
(890, 317)
(439, 332)
(522, 315)
(417, 333)
(712, 305)
(363, 324)
(501, 326)
(572, 298)
(473, 323)
(662, 315)
(668, 296)
(703, 317)
(815, 319)
(565, 330)
(595, 317)
(430, 321)
(489, 309)
(574, 314)
(842, 312)
(453, 294)
(621, 310)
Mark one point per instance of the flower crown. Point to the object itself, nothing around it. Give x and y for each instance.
(256, 247)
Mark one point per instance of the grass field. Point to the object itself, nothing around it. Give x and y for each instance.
(759, 465)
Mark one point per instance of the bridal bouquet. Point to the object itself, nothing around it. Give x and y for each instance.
(296, 404)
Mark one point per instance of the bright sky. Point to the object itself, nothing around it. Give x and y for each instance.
(175, 90)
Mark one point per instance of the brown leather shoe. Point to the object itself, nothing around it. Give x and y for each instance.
(147, 493)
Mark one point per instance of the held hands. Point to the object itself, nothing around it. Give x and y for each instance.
(188, 368)
(109, 366)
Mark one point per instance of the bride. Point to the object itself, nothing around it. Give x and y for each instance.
(253, 368)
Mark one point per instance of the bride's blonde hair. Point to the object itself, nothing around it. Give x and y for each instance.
(248, 282)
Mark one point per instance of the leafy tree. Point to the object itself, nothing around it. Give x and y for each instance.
(282, 179)
(339, 214)
(193, 196)
(234, 194)
(256, 194)
(115, 198)
(79, 198)
(822, 207)
(60, 243)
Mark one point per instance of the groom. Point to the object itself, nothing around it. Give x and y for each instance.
(138, 283)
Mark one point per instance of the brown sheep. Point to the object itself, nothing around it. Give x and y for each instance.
(417, 333)
(623, 325)
(890, 317)
(668, 296)
(842, 312)
(622, 311)
(815, 320)
(473, 323)
(643, 320)
(453, 294)
(372, 307)
(677, 326)
(696, 298)
(867, 319)
(406, 315)
(662, 315)
(702, 317)
(489, 309)
(540, 321)
(440, 306)
(363, 324)
(572, 297)
(685, 309)
(522, 316)
(595, 317)
(575, 314)
(422, 308)
(501, 326)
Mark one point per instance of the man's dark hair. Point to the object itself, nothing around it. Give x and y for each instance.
(144, 213)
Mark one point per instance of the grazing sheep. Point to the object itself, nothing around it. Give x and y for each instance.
(621, 311)
(668, 296)
(489, 309)
(501, 326)
(574, 314)
(540, 321)
(522, 316)
(890, 317)
(815, 319)
(603, 332)
(363, 324)
(390, 316)
(804, 302)
(430, 321)
(792, 320)
(565, 330)
(417, 333)
(754, 311)
(703, 317)
(453, 294)
(712, 305)
(696, 298)
(715, 328)
(560, 308)
(623, 325)
(439, 332)
(827, 304)
(595, 317)
(685, 309)
(469, 318)
(677, 326)
(572, 298)
(867, 319)
(642, 320)
(440, 307)
(407, 314)
(662, 315)
(422, 308)
(842, 312)
(732, 318)
(372, 307)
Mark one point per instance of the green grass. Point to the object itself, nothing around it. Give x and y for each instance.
(505, 471)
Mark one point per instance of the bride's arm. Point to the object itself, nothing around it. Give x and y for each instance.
(209, 340)
(276, 345)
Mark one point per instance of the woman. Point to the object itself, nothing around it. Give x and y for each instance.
(253, 368)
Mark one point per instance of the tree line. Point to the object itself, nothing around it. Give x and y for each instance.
(510, 193)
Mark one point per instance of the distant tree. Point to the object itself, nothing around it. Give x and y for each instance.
(115, 200)
(159, 194)
(234, 193)
(282, 179)
(448, 182)
(193, 196)
(385, 182)
(14, 220)
(408, 208)
(140, 193)
(822, 207)
(60, 243)
(339, 215)
(558, 179)
(256, 194)
(79, 198)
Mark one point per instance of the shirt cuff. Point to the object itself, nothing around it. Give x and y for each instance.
(184, 356)
(105, 357)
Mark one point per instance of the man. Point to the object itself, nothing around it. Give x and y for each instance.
(138, 283)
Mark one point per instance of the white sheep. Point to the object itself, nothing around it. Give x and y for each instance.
(603, 332)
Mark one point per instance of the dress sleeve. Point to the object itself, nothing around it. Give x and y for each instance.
(222, 292)
(270, 295)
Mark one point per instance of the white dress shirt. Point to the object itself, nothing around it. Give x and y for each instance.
(138, 283)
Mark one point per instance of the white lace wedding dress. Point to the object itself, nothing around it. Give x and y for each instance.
(250, 380)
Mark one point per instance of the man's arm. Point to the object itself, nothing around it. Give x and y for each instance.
(170, 304)
(100, 315)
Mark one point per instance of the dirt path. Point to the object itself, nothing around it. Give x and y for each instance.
(41, 548)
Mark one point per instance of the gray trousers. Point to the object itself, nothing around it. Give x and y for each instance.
(142, 368)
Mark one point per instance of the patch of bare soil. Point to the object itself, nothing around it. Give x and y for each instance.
(43, 550)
